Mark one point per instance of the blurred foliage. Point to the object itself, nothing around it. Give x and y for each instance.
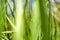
(37, 20)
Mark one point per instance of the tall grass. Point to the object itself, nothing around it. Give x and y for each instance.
(36, 22)
(44, 20)
(27, 22)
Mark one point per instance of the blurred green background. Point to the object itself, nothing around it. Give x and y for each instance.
(29, 20)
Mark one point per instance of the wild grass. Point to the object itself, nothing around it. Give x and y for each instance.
(27, 22)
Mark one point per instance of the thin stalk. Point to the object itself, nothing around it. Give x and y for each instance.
(2, 12)
(11, 22)
(44, 20)
(36, 22)
(19, 21)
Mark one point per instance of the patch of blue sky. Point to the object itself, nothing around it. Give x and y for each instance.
(10, 2)
(32, 4)
(58, 1)
(8, 9)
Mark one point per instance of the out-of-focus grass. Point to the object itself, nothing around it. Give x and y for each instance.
(45, 27)
(34, 24)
